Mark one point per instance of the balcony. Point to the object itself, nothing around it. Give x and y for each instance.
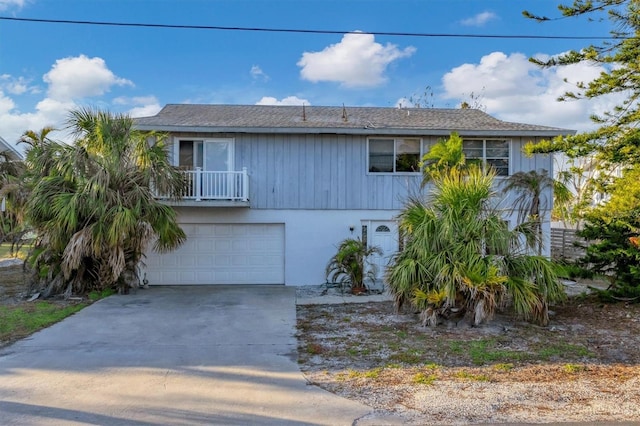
(213, 189)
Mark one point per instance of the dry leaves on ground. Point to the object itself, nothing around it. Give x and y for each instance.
(584, 367)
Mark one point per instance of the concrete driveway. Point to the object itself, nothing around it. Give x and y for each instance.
(169, 356)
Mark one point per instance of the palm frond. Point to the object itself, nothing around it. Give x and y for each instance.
(93, 201)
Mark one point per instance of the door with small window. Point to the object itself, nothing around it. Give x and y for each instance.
(383, 234)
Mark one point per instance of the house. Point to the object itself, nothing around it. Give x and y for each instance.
(10, 150)
(274, 189)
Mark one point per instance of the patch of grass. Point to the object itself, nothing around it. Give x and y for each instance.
(353, 352)
(503, 367)
(456, 347)
(367, 374)
(17, 322)
(563, 350)
(424, 379)
(573, 368)
(410, 357)
(483, 351)
(5, 251)
(97, 295)
(394, 346)
(402, 334)
(353, 374)
(465, 375)
(431, 366)
(314, 349)
(373, 373)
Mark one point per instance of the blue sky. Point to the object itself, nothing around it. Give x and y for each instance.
(47, 69)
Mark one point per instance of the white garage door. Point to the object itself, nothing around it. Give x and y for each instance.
(222, 254)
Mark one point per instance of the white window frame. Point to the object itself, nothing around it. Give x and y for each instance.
(395, 140)
(484, 153)
(176, 148)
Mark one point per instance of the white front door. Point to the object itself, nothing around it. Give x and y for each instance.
(383, 234)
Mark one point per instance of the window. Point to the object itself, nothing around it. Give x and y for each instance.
(397, 155)
(206, 154)
(488, 152)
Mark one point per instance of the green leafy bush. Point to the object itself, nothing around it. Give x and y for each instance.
(613, 230)
(461, 259)
(350, 267)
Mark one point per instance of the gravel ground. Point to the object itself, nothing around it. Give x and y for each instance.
(583, 367)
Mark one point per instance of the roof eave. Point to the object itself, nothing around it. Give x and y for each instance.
(355, 131)
(6, 146)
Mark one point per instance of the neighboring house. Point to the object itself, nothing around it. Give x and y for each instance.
(12, 155)
(274, 189)
(11, 151)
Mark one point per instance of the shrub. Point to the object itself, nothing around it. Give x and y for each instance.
(350, 267)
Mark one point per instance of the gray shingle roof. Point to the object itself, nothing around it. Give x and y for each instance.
(321, 119)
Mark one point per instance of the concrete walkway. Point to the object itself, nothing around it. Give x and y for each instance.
(169, 356)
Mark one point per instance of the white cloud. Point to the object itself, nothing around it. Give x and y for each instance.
(142, 106)
(289, 100)
(48, 112)
(6, 104)
(80, 77)
(16, 85)
(6, 4)
(356, 61)
(479, 20)
(136, 100)
(514, 89)
(145, 110)
(257, 73)
(70, 81)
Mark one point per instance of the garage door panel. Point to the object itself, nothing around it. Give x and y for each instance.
(202, 244)
(222, 245)
(239, 261)
(238, 245)
(221, 260)
(222, 230)
(222, 254)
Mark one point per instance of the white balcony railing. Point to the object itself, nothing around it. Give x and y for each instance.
(204, 185)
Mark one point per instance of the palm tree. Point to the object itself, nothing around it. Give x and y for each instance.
(461, 258)
(92, 203)
(443, 155)
(13, 196)
(531, 201)
(34, 139)
(349, 265)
